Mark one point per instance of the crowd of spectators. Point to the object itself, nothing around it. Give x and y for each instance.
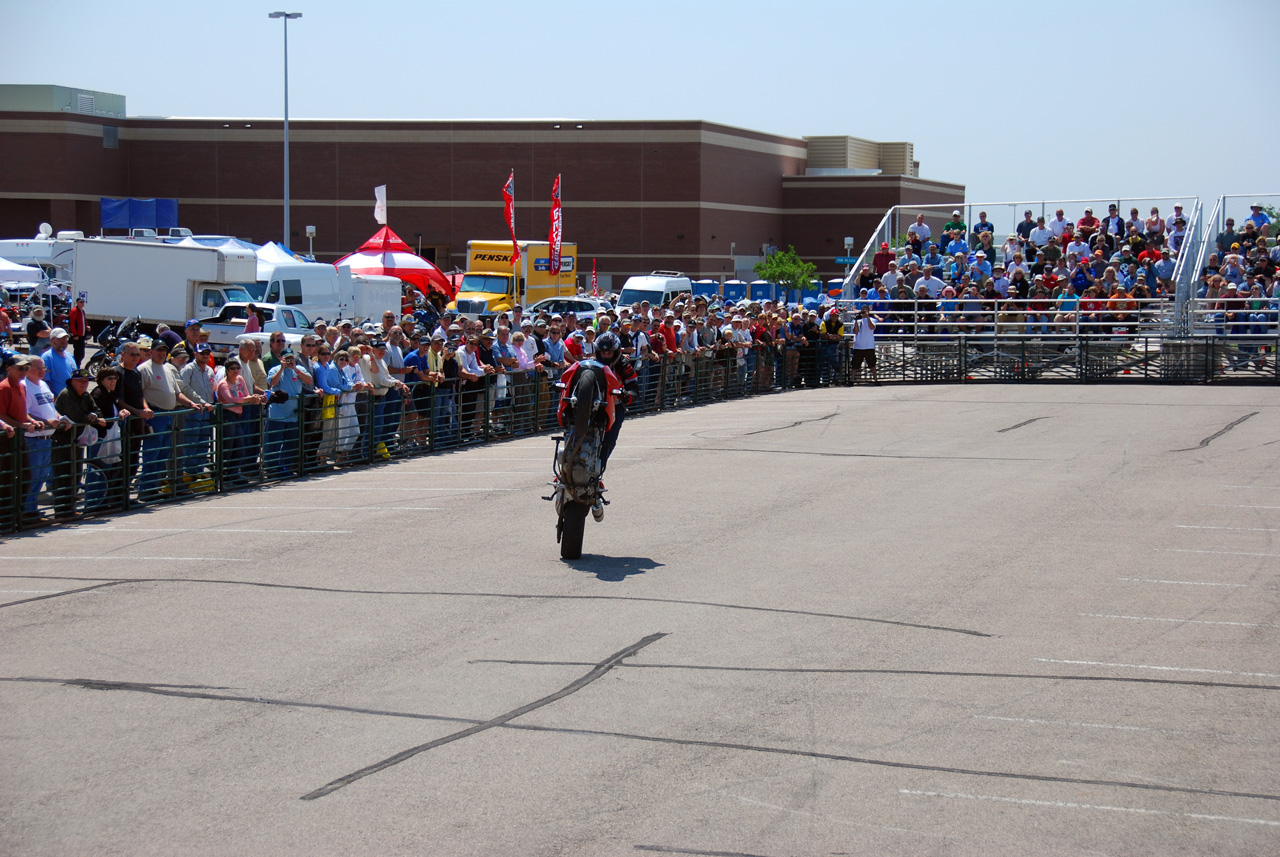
(1108, 275)
(166, 420)
(1237, 292)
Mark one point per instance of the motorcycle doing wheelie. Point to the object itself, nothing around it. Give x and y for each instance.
(589, 391)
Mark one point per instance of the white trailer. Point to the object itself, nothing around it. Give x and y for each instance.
(323, 291)
(158, 282)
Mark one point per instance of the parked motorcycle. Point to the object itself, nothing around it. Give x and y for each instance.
(586, 413)
(109, 339)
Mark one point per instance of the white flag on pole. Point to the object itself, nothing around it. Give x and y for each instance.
(380, 204)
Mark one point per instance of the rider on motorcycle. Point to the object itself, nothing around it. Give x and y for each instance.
(619, 372)
(609, 352)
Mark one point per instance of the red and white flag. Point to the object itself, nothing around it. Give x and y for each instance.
(557, 225)
(509, 199)
(380, 204)
(595, 284)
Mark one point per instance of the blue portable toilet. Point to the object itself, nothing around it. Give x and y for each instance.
(762, 290)
(735, 290)
(706, 288)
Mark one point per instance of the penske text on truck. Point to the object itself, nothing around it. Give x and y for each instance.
(492, 285)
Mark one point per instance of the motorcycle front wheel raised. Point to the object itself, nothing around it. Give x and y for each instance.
(573, 520)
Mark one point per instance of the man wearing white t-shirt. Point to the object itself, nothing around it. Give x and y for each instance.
(1041, 234)
(921, 229)
(935, 285)
(890, 278)
(864, 345)
(1058, 224)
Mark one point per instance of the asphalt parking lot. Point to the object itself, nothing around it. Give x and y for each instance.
(962, 620)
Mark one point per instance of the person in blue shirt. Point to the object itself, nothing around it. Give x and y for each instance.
(281, 454)
(1259, 219)
(875, 295)
(330, 381)
(58, 360)
(983, 264)
(934, 259)
(957, 244)
(981, 226)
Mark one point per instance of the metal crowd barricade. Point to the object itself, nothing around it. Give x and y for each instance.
(176, 458)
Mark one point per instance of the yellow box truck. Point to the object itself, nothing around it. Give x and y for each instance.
(492, 285)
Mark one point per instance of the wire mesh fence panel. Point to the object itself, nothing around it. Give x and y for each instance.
(414, 436)
(936, 361)
(1244, 358)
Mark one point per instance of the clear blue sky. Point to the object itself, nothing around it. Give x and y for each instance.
(1016, 100)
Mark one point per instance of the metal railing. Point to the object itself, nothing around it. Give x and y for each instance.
(184, 453)
(1219, 315)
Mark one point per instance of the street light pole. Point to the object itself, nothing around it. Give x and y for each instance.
(286, 16)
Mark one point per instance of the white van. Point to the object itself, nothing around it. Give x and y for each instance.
(657, 288)
(323, 291)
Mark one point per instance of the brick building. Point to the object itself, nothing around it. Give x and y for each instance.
(638, 195)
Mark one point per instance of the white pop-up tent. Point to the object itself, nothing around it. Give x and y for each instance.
(12, 272)
(270, 255)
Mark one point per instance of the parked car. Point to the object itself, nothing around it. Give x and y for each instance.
(575, 305)
(226, 329)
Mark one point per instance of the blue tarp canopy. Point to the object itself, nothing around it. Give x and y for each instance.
(139, 213)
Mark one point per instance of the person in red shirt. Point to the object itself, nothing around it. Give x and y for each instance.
(13, 422)
(668, 331)
(1088, 224)
(880, 261)
(1151, 254)
(78, 327)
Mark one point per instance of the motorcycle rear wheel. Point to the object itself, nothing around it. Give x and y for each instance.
(573, 520)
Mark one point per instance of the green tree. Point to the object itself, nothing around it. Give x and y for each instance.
(787, 270)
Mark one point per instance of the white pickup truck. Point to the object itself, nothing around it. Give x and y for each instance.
(226, 329)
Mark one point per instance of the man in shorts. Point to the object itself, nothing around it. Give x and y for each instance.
(864, 345)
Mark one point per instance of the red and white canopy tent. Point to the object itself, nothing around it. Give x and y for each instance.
(386, 253)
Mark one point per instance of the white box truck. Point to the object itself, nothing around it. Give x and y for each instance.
(158, 282)
(325, 292)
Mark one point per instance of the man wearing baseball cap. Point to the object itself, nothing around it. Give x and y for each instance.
(191, 334)
(880, 261)
(78, 327)
(58, 361)
(198, 384)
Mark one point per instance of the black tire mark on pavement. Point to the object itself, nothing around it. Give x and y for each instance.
(1021, 424)
(104, 684)
(92, 684)
(169, 690)
(597, 671)
(1217, 434)
(843, 454)
(832, 415)
(857, 671)
(66, 592)
(512, 595)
